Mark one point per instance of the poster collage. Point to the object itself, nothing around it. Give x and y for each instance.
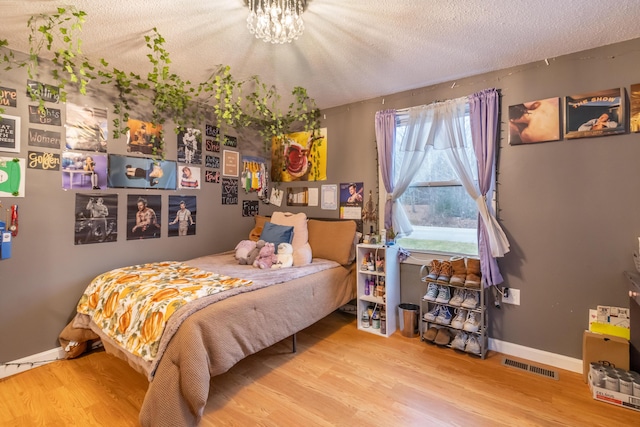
(72, 140)
(585, 115)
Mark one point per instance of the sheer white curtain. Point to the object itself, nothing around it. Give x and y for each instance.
(414, 146)
(455, 138)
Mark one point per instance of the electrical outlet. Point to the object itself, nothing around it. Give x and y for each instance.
(513, 297)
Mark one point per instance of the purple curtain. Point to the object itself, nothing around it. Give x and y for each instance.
(483, 109)
(385, 135)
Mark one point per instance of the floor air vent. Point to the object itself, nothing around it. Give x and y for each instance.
(530, 368)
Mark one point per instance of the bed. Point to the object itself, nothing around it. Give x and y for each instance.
(207, 336)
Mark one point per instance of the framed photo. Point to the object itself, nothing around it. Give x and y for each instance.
(595, 114)
(534, 121)
(9, 133)
(634, 97)
(230, 163)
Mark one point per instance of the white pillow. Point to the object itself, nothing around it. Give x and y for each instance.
(302, 254)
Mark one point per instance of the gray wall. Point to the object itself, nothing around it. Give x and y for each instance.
(569, 209)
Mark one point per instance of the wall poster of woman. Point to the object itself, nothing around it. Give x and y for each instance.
(595, 114)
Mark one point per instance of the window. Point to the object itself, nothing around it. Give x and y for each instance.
(443, 216)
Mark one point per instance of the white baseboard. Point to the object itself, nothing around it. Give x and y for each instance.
(16, 366)
(532, 354)
(535, 355)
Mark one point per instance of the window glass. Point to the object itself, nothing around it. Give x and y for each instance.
(444, 217)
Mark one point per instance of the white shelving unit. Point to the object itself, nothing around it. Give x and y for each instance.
(480, 310)
(386, 293)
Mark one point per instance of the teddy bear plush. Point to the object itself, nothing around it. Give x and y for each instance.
(253, 254)
(284, 256)
(266, 256)
(243, 250)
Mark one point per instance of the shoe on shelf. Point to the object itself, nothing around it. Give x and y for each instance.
(431, 333)
(444, 316)
(431, 315)
(443, 337)
(444, 295)
(459, 271)
(460, 341)
(458, 296)
(434, 270)
(445, 272)
(474, 274)
(472, 324)
(432, 292)
(459, 319)
(471, 300)
(473, 346)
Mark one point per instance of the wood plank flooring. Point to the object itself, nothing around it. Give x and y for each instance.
(338, 377)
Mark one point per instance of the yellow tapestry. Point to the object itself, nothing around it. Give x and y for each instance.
(299, 156)
(132, 304)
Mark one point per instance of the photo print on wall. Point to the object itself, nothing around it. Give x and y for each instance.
(140, 172)
(182, 216)
(144, 137)
(189, 178)
(143, 216)
(84, 171)
(96, 218)
(86, 128)
(190, 146)
(635, 108)
(595, 114)
(534, 121)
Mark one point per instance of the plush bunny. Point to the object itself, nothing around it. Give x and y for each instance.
(284, 257)
(266, 257)
(243, 250)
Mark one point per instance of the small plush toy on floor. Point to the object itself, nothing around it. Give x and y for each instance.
(266, 256)
(284, 257)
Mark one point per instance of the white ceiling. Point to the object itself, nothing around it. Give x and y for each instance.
(351, 50)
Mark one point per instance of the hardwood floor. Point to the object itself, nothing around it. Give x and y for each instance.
(338, 377)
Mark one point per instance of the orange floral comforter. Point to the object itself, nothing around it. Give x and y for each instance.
(133, 304)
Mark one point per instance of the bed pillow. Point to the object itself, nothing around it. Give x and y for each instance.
(302, 254)
(256, 231)
(276, 234)
(332, 240)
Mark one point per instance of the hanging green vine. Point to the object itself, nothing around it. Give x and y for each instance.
(233, 103)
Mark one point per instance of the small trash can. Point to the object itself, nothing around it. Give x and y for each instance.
(408, 317)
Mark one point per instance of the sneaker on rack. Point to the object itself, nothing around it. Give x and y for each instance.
(432, 292)
(444, 316)
(460, 341)
(444, 295)
(471, 300)
(458, 296)
(431, 315)
(472, 324)
(459, 319)
(473, 346)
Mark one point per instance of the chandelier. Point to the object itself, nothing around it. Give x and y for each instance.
(275, 21)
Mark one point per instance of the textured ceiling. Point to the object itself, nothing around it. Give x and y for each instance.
(351, 50)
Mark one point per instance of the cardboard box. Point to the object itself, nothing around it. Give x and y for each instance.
(604, 348)
(614, 397)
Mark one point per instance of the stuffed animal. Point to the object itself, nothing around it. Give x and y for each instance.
(243, 249)
(266, 257)
(253, 254)
(284, 257)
